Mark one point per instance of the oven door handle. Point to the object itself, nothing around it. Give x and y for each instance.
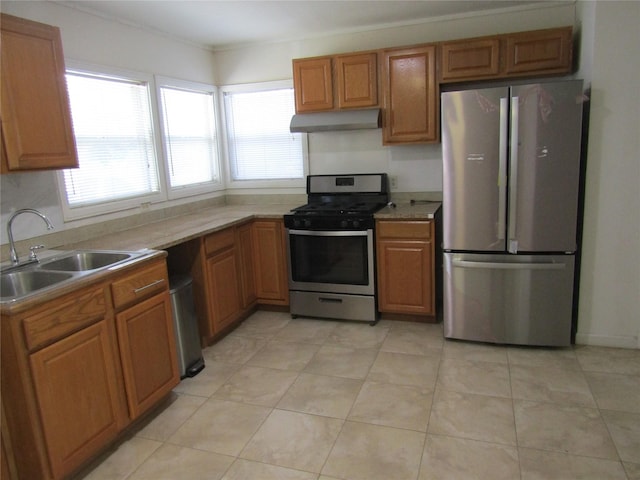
(332, 233)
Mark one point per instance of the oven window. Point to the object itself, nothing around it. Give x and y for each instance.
(329, 259)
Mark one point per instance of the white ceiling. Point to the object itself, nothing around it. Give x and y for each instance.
(223, 24)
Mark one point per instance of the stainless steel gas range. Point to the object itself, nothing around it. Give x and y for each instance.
(331, 247)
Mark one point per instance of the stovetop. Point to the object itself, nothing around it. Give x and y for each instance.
(340, 202)
(339, 208)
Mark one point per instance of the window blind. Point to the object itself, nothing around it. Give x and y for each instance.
(114, 137)
(189, 136)
(260, 145)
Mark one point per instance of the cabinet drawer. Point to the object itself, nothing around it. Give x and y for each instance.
(139, 285)
(65, 316)
(404, 229)
(218, 241)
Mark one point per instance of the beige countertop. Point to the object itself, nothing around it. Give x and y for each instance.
(172, 231)
(408, 211)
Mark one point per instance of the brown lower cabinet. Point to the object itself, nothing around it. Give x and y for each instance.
(148, 352)
(270, 262)
(79, 369)
(405, 267)
(234, 270)
(77, 389)
(223, 279)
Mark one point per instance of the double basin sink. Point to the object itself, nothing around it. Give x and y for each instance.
(18, 282)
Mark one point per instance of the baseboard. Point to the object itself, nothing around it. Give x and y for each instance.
(607, 340)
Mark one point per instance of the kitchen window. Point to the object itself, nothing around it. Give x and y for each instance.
(138, 145)
(261, 149)
(189, 135)
(114, 133)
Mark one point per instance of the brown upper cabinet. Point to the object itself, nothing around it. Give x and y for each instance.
(37, 131)
(357, 80)
(312, 84)
(470, 59)
(410, 95)
(335, 82)
(538, 52)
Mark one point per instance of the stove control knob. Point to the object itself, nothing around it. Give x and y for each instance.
(307, 223)
(356, 223)
(296, 223)
(344, 224)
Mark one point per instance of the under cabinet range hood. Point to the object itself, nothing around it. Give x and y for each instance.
(338, 120)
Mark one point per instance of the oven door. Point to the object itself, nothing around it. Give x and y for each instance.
(331, 261)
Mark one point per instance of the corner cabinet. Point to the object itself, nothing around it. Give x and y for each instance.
(79, 369)
(405, 267)
(37, 130)
(335, 82)
(410, 95)
(234, 270)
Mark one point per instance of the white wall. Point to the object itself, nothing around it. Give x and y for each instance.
(609, 309)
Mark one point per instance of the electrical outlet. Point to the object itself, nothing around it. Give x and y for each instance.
(393, 181)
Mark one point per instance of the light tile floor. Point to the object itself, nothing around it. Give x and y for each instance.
(288, 399)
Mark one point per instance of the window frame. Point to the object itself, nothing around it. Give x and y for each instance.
(113, 206)
(165, 193)
(203, 187)
(232, 184)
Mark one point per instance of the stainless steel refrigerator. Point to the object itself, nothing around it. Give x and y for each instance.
(510, 201)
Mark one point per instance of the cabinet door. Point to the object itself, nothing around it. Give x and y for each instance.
(36, 121)
(410, 96)
(77, 389)
(147, 352)
(223, 288)
(247, 277)
(405, 277)
(272, 283)
(357, 80)
(470, 59)
(539, 51)
(312, 84)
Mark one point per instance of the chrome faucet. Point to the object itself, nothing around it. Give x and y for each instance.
(12, 246)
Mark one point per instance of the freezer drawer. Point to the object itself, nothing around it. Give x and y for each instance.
(511, 299)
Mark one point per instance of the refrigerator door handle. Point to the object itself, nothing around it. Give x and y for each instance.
(512, 245)
(502, 168)
(508, 266)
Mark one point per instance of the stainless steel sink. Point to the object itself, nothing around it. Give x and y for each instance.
(20, 283)
(83, 261)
